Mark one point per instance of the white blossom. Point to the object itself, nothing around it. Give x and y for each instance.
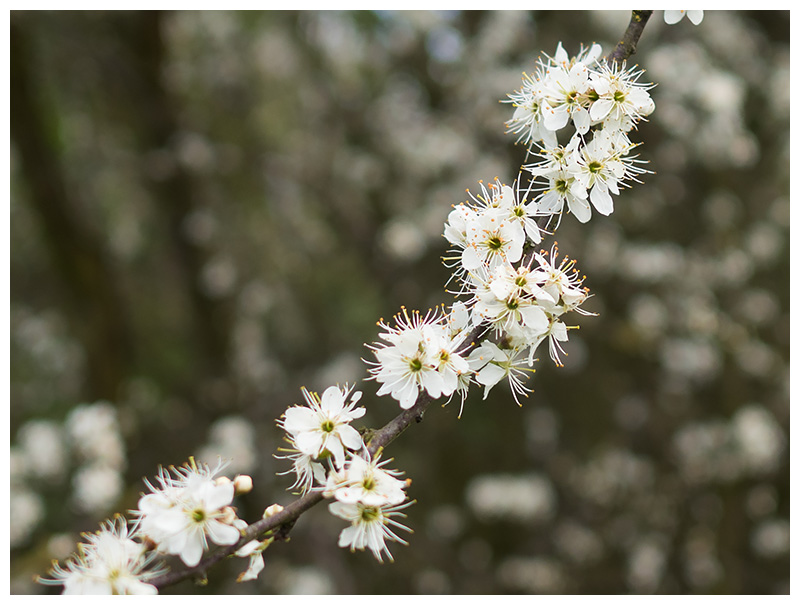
(492, 228)
(672, 17)
(565, 98)
(109, 562)
(604, 102)
(420, 355)
(493, 364)
(322, 427)
(621, 101)
(561, 282)
(188, 510)
(508, 299)
(528, 119)
(363, 480)
(551, 96)
(370, 526)
(306, 469)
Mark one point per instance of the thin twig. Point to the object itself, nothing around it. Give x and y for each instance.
(627, 45)
(287, 517)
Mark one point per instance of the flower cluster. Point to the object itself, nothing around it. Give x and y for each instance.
(519, 295)
(189, 506)
(367, 496)
(492, 229)
(422, 353)
(329, 455)
(603, 102)
(112, 561)
(523, 305)
(516, 292)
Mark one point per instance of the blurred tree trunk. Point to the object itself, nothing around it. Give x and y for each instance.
(97, 311)
(174, 192)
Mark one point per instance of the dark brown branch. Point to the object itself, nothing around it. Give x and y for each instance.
(627, 45)
(287, 517)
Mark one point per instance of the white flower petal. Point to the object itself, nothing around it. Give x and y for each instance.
(601, 199)
(332, 401)
(350, 437)
(222, 533)
(192, 551)
(490, 375)
(255, 568)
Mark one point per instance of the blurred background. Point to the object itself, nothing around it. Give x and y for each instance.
(210, 210)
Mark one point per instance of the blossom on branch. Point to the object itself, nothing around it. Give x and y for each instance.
(322, 428)
(420, 355)
(604, 102)
(306, 469)
(363, 480)
(492, 229)
(186, 510)
(370, 526)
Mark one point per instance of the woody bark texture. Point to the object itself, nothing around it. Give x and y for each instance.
(627, 45)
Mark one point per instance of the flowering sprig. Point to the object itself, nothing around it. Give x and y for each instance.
(514, 300)
(187, 507)
(365, 493)
(604, 101)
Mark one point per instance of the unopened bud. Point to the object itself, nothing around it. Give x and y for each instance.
(242, 484)
(273, 509)
(228, 515)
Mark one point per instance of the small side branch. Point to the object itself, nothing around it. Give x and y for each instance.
(627, 45)
(284, 520)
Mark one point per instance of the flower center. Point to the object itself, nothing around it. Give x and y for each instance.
(595, 167)
(494, 243)
(198, 515)
(561, 186)
(327, 426)
(619, 97)
(415, 365)
(370, 514)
